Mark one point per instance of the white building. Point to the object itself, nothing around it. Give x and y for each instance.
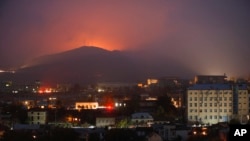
(105, 121)
(213, 103)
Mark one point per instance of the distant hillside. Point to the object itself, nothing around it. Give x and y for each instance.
(93, 64)
(81, 65)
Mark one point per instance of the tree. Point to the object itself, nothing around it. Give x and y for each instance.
(124, 123)
(166, 108)
(234, 121)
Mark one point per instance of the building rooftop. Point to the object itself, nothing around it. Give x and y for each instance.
(217, 87)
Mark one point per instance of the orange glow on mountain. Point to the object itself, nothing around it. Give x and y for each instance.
(102, 43)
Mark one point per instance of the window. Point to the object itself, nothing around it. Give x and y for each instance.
(215, 104)
(211, 117)
(211, 98)
(225, 104)
(225, 98)
(200, 104)
(195, 104)
(195, 98)
(190, 104)
(215, 110)
(215, 117)
(225, 110)
(205, 98)
(211, 104)
(205, 104)
(190, 99)
(205, 110)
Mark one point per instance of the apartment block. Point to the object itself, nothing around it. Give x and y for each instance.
(213, 103)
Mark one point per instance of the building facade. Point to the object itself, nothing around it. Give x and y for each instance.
(105, 121)
(213, 103)
(37, 117)
(86, 105)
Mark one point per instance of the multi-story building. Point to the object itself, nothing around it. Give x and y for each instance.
(37, 117)
(210, 79)
(213, 103)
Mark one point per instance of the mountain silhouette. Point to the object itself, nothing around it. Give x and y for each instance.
(92, 64)
(81, 65)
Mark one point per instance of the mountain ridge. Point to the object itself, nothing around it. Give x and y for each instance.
(90, 64)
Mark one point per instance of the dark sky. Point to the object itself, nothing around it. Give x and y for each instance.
(207, 36)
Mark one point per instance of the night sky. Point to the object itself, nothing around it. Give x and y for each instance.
(207, 36)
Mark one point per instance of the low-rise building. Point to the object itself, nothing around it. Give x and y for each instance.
(142, 119)
(37, 117)
(86, 105)
(105, 121)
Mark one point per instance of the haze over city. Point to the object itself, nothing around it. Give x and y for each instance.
(126, 70)
(205, 37)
